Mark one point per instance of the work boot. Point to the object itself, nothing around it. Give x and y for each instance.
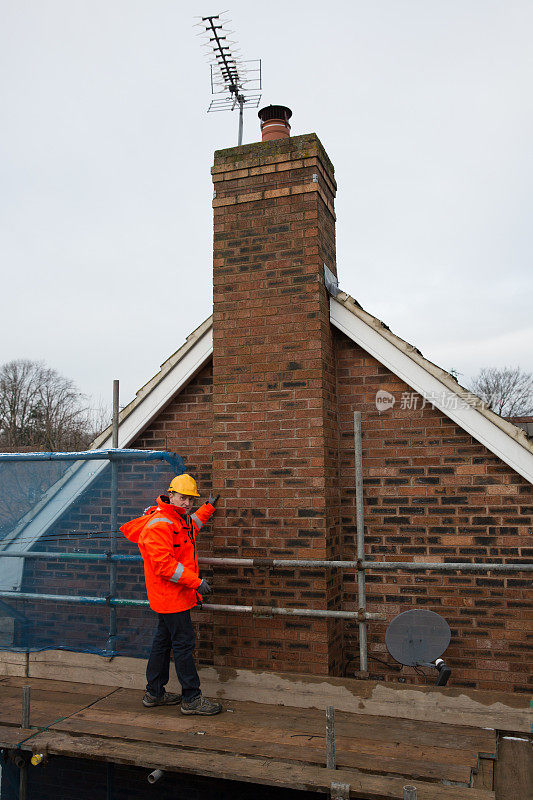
(166, 699)
(201, 705)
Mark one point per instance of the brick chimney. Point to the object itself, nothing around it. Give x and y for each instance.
(275, 439)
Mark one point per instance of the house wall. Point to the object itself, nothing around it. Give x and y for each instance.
(432, 493)
(270, 426)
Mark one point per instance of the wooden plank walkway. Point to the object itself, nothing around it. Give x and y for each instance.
(513, 776)
(503, 711)
(276, 745)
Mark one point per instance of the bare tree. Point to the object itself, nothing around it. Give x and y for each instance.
(508, 390)
(40, 409)
(100, 418)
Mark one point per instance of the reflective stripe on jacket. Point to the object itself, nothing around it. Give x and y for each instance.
(166, 536)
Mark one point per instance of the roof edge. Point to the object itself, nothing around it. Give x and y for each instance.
(438, 372)
(153, 382)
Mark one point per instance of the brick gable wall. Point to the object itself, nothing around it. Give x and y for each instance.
(432, 493)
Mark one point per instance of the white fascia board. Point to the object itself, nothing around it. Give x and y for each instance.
(81, 474)
(441, 396)
(163, 391)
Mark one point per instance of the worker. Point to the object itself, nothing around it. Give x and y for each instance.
(166, 536)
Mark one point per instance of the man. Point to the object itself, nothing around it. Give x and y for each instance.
(166, 536)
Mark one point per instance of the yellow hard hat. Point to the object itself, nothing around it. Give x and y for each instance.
(184, 484)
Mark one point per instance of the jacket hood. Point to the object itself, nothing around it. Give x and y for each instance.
(133, 529)
(164, 504)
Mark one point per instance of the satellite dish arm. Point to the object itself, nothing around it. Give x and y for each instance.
(444, 672)
(443, 669)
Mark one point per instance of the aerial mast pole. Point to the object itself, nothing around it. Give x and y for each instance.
(238, 80)
(240, 98)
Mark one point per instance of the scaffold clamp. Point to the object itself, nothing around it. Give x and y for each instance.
(340, 791)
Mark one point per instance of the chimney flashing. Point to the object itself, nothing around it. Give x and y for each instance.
(331, 281)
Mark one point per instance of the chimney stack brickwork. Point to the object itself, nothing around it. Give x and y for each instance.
(275, 438)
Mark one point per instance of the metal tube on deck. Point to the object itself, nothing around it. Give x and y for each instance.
(155, 776)
(361, 589)
(23, 782)
(339, 791)
(110, 781)
(409, 793)
(25, 707)
(331, 762)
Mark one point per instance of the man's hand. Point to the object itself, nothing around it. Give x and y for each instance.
(204, 589)
(213, 498)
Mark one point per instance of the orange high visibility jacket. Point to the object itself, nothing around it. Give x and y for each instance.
(166, 536)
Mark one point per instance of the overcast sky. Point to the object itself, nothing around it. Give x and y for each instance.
(424, 106)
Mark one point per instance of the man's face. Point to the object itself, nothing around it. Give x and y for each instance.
(181, 500)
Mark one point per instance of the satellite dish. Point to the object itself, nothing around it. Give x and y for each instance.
(418, 638)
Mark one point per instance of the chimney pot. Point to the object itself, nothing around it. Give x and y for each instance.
(275, 122)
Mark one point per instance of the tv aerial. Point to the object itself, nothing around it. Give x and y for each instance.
(418, 638)
(239, 81)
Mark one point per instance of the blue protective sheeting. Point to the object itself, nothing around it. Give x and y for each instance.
(175, 461)
(68, 578)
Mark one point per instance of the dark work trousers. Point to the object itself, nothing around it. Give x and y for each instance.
(174, 632)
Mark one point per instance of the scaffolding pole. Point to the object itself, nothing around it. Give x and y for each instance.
(376, 566)
(113, 522)
(360, 518)
(261, 611)
(127, 454)
(283, 563)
